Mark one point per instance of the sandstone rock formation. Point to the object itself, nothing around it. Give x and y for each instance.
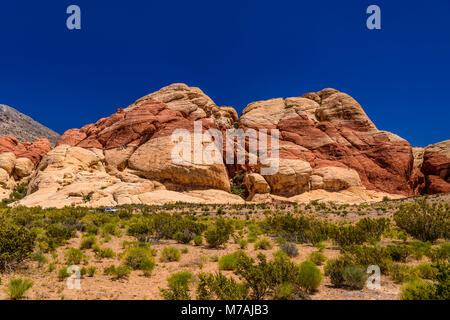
(436, 168)
(329, 150)
(32, 150)
(328, 142)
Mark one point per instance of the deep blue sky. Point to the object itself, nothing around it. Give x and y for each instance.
(236, 51)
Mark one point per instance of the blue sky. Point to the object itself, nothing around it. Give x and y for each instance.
(235, 51)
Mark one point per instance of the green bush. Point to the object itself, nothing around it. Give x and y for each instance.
(426, 271)
(263, 244)
(88, 241)
(354, 277)
(178, 286)
(440, 253)
(16, 244)
(19, 192)
(309, 277)
(140, 258)
(349, 235)
(418, 249)
(219, 233)
(91, 271)
(74, 256)
(365, 256)
(424, 221)
(335, 270)
(169, 254)
(17, 287)
(317, 258)
(243, 243)
(417, 289)
(401, 273)
(218, 287)
(301, 229)
(104, 252)
(198, 240)
(398, 253)
(228, 262)
(258, 277)
(373, 228)
(63, 274)
(120, 272)
(184, 237)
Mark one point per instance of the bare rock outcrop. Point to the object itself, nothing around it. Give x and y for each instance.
(328, 142)
(436, 168)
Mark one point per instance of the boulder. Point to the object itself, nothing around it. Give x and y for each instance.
(436, 168)
(255, 183)
(23, 167)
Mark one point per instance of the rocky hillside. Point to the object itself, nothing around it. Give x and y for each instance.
(329, 150)
(25, 129)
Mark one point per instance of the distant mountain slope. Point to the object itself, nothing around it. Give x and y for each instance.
(25, 129)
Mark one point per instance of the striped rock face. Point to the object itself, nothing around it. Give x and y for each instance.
(328, 142)
(328, 149)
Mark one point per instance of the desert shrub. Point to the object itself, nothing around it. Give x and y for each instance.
(59, 234)
(140, 258)
(290, 249)
(401, 273)
(112, 229)
(335, 270)
(228, 262)
(297, 229)
(252, 237)
(263, 244)
(320, 246)
(284, 291)
(74, 256)
(309, 277)
(418, 249)
(365, 256)
(256, 276)
(243, 243)
(398, 253)
(442, 286)
(91, 271)
(63, 274)
(349, 235)
(219, 233)
(417, 289)
(198, 240)
(219, 287)
(317, 257)
(16, 244)
(88, 241)
(424, 221)
(169, 254)
(354, 277)
(373, 228)
(120, 272)
(163, 225)
(440, 253)
(19, 192)
(426, 271)
(39, 257)
(104, 252)
(184, 237)
(178, 286)
(17, 287)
